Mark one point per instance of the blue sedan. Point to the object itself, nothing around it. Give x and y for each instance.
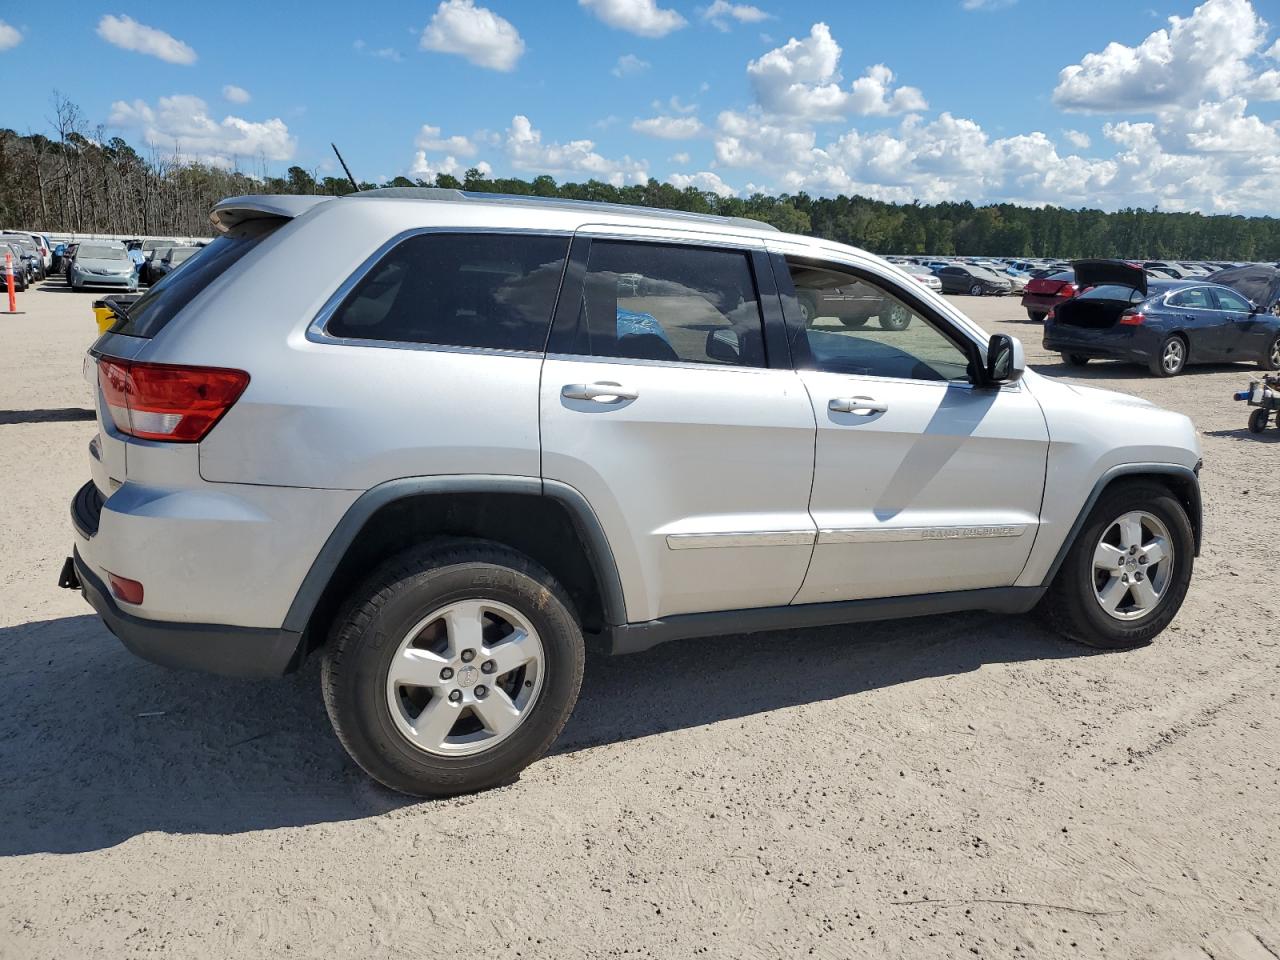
(1163, 324)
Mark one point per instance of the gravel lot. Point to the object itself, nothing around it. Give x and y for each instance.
(954, 786)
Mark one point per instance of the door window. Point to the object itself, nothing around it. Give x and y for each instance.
(1197, 298)
(1227, 300)
(649, 301)
(856, 325)
(467, 290)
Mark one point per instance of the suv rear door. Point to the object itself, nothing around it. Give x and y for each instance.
(922, 483)
(668, 400)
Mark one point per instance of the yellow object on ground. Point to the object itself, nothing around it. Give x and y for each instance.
(104, 316)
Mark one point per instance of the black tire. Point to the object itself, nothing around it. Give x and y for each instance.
(898, 317)
(379, 614)
(854, 322)
(1070, 606)
(1075, 359)
(1258, 421)
(1036, 316)
(975, 290)
(1158, 366)
(808, 306)
(1271, 356)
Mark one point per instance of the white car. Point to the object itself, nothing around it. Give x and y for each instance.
(470, 435)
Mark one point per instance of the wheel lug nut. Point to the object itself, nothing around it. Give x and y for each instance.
(468, 656)
(455, 696)
(481, 692)
(1132, 551)
(1137, 576)
(1142, 559)
(446, 673)
(488, 666)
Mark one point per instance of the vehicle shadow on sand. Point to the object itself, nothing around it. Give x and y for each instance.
(97, 746)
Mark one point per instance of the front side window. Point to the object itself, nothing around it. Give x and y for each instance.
(858, 326)
(494, 291)
(1227, 300)
(649, 301)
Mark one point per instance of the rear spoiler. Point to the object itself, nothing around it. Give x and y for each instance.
(237, 210)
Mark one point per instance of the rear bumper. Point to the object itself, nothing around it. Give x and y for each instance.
(1040, 301)
(1107, 343)
(211, 648)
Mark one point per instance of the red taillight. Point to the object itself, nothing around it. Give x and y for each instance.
(130, 591)
(1132, 318)
(1048, 317)
(159, 401)
(1067, 290)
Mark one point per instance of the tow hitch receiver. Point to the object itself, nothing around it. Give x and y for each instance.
(67, 579)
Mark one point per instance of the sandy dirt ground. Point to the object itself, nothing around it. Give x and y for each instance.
(956, 786)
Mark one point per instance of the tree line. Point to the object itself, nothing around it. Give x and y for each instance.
(78, 180)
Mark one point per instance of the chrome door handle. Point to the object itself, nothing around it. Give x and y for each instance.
(602, 392)
(862, 406)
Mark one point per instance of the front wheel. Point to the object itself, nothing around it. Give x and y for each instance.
(853, 323)
(1075, 359)
(452, 668)
(975, 290)
(1257, 421)
(1127, 572)
(1271, 356)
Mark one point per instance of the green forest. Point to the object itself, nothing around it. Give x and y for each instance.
(82, 181)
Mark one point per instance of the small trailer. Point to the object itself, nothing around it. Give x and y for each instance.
(1265, 395)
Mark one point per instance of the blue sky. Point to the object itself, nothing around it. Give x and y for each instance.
(949, 99)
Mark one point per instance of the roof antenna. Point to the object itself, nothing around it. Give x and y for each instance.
(347, 170)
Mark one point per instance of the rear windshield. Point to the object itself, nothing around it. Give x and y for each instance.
(150, 312)
(179, 254)
(1110, 291)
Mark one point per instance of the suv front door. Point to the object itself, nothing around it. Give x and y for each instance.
(689, 436)
(923, 483)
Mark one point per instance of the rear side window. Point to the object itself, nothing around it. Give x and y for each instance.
(495, 291)
(1232, 301)
(153, 310)
(650, 301)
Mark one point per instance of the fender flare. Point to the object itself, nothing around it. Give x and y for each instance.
(1190, 476)
(374, 499)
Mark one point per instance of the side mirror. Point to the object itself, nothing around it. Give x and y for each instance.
(1006, 361)
(723, 345)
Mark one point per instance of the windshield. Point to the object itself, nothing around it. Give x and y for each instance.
(90, 251)
(181, 254)
(156, 244)
(149, 313)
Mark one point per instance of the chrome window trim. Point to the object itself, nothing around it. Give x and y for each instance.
(317, 330)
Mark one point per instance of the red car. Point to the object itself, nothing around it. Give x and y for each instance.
(1044, 293)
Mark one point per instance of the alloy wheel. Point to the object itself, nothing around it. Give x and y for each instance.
(1173, 356)
(1274, 355)
(1132, 565)
(465, 677)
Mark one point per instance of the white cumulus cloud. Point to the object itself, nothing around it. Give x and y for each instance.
(128, 34)
(721, 14)
(641, 17)
(475, 33)
(526, 150)
(703, 180)
(1077, 138)
(233, 94)
(629, 64)
(669, 128)
(182, 126)
(10, 36)
(430, 140)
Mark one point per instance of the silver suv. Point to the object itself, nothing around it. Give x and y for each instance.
(446, 440)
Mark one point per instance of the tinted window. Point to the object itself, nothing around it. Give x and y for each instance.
(858, 326)
(1110, 291)
(1195, 298)
(149, 314)
(462, 290)
(646, 301)
(1228, 300)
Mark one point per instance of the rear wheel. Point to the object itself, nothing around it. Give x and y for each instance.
(854, 322)
(1271, 356)
(897, 317)
(1074, 359)
(1036, 316)
(808, 306)
(452, 668)
(1171, 358)
(1127, 572)
(1257, 421)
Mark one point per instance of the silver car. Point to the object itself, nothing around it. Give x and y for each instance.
(444, 442)
(102, 263)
